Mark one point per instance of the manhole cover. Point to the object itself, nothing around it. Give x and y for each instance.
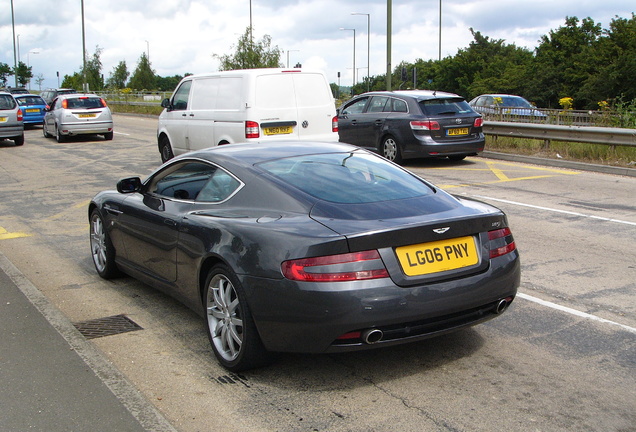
(106, 326)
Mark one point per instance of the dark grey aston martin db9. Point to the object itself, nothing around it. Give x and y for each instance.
(306, 247)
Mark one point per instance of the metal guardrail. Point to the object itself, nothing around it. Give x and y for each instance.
(546, 132)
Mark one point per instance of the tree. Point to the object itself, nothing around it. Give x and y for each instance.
(119, 76)
(94, 77)
(5, 72)
(169, 83)
(143, 77)
(39, 79)
(24, 74)
(250, 55)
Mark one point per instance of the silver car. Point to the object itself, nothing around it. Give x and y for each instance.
(78, 114)
(11, 120)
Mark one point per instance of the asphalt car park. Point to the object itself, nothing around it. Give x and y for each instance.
(561, 358)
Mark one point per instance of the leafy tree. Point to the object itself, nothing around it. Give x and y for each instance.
(94, 77)
(250, 54)
(24, 74)
(564, 60)
(143, 77)
(5, 72)
(118, 76)
(169, 83)
(73, 81)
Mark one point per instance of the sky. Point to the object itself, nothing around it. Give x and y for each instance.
(183, 36)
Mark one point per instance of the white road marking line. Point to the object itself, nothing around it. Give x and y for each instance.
(574, 312)
(556, 210)
(121, 133)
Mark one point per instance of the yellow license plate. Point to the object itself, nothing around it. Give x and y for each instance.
(439, 256)
(457, 131)
(278, 130)
(86, 115)
(33, 110)
(3, 119)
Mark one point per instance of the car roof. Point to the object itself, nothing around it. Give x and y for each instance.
(415, 94)
(77, 95)
(501, 95)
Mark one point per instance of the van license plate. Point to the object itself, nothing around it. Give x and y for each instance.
(439, 256)
(457, 131)
(278, 130)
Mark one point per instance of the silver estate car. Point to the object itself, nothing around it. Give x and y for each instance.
(11, 120)
(78, 114)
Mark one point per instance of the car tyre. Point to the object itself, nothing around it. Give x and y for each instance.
(44, 131)
(230, 327)
(102, 249)
(19, 140)
(108, 136)
(165, 149)
(391, 149)
(58, 136)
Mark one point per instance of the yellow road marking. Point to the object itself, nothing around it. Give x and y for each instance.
(5, 235)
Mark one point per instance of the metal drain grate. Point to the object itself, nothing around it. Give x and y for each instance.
(106, 326)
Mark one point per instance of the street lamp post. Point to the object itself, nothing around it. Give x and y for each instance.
(148, 51)
(29, 65)
(85, 81)
(288, 51)
(368, 47)
(354, 53)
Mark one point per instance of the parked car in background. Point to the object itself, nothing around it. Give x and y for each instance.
(412, 124)
(17, 90)
(78, 114)
(255, 105)
(49, 94)
(505, 105)
(32, 107)
(11, 124)
(296, 246)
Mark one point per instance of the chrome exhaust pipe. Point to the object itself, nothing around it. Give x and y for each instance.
(372, 335)
(501, 306)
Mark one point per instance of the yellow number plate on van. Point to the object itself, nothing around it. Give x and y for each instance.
(278, 130)
(457, 131)
(439, 256)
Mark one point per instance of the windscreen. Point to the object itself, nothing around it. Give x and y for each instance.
(347, 178)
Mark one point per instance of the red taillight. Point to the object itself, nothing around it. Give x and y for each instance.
(425, 125)
(103, 102)
(252, 129)
(479, 122)
(334, 124)
(65, 104)
(508, 242)
(20, 115)
(336, 268)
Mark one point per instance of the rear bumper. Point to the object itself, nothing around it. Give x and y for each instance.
(311, 317)
(86, 128)
(425, 146)
(11, 131)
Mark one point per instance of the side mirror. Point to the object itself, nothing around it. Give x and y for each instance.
(166, 103)
(129, 185)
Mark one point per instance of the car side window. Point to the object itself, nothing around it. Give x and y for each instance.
(355, 107)
(219, 187)
(182, 180)
(397, 105)
(181, 97)
(377, 104)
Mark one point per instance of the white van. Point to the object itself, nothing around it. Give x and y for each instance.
(256, 105)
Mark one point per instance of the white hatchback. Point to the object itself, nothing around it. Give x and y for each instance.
(78, 114)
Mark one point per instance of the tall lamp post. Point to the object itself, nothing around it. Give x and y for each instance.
(368, 46)
(15, 58)
(148, 51)
(29, 65)
(354, 54)
(288, 51)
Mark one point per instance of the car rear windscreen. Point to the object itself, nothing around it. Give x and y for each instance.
(438, 107)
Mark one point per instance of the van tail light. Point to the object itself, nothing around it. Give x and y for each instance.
(252, 129)
(336, 268)
(425, 125)
(501, 242)
(20, 115)
(479, 122)
(334, 124)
